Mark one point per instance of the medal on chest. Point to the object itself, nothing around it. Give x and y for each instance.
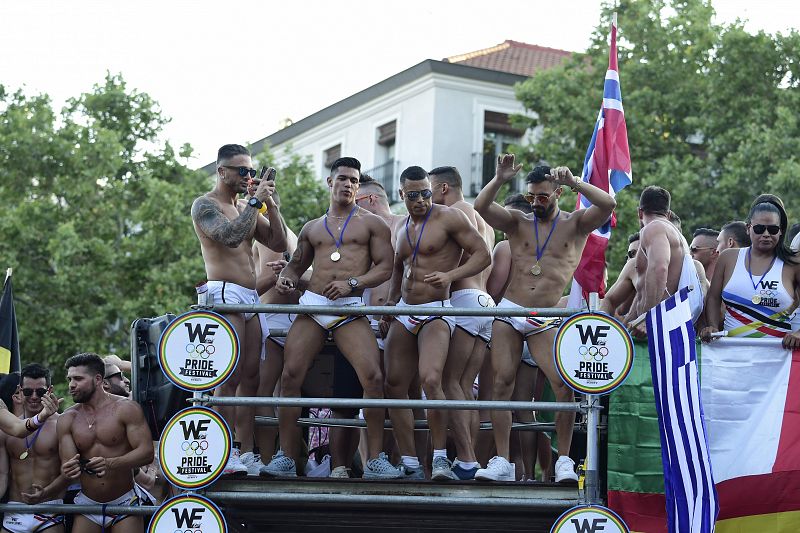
(415, 247)
(536, 269)
(29, 445)
(335, 255)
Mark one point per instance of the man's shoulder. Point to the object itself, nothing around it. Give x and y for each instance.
(125, 407)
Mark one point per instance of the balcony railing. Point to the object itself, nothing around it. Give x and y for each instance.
(388, 175)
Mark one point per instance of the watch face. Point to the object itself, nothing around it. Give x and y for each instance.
(253, 201)
(353, 282)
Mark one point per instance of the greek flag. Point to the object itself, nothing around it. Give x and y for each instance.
(688, 482)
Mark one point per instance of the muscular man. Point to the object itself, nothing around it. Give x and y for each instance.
(115, 382)
(350, 250)
(545, 250)
(704, 249)
(619, 297)
(101, 440)
(35, 467)
(226, 228)
(663, 263)
(427, 261)
(468, 345)
(733, 235)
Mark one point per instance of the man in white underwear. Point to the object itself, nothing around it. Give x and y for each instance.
(101, 440)
(350, 250)
(427, 261)
(226, 228)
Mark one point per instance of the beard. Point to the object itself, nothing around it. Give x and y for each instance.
(542, 212)
(117, 390)
(83, 396)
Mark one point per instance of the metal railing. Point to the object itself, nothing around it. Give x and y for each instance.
(387, 175)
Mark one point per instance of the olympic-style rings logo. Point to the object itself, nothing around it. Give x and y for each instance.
(188, 531)
(194, 447)
(593, 352)
(202, 351)
(768, 293)
(484, 300)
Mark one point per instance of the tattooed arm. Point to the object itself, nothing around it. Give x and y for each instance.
(209, 218)
(302, 258)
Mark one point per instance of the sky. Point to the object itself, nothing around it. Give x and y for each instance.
(232, 71)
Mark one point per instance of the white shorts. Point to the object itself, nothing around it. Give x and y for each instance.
(30, 523)
(526, 326)
(230, 293)
(526, 356)
(414, 323)
(477, 326)
(375, 325)
(130, 498)
(278, 321)
(331, 322)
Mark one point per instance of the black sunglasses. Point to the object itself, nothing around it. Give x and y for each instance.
(773, 229)
(243, 171)
(40, 392)
(115, 375)
(413, 195)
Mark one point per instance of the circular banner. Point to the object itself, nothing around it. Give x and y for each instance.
(198, 351)
(188, 514)
(589, 518)
(593, 353)
(194, 448)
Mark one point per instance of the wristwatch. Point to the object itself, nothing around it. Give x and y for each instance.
(353, 282)
(254, 202)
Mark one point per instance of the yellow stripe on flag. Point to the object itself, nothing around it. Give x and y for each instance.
(788, 522)
(5, 360)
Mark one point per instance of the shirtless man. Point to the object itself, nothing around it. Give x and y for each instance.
(427, 262)
(101, 440)
(350, 250)
(545, 250)
(468, 345)
(619, 297)
(115, 381)
(703, 248)
(226, 228)
(35, 466)
(663, 263)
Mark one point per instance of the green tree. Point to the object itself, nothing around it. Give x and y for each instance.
(710, 110)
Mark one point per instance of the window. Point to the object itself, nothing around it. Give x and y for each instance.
(498, 136)
(330, 155)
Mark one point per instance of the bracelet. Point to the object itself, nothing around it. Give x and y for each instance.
(574, 188)
(28, 425)
(263, 208)
(35, 421)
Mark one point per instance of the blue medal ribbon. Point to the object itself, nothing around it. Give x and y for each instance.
(419, 239)
(540, 252)
(338, 241)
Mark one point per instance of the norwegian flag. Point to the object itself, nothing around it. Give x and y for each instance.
(607, 166)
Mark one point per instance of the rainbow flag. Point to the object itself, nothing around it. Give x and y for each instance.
(750, 390)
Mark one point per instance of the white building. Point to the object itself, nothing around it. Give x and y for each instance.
(450, 112)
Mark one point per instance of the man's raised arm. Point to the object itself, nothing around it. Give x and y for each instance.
(602, 203)
(494, 214)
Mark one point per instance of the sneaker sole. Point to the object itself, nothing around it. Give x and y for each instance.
(444, 476)
(282, 474)
(367, 475)
(486, 477)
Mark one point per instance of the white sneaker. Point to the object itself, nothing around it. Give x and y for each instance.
(234, 465)
(498, 469)
(339, 472)
(565, 469)
(253, 463)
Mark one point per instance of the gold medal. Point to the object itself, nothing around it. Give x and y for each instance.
(335, 256)
(756, 299)
(23, 455)
(536, 270)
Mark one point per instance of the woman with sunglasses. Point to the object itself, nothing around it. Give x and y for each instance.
(757, 284)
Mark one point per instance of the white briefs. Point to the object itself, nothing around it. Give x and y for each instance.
(477, 326)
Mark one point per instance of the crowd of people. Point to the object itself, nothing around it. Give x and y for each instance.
(442, 254)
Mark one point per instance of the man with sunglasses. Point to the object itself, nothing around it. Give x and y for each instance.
(545, 248)
(427, 262)
(226, 228)
(471, 335)
(35, 468)
(115, 382)
(619, 296)
(350, 250)
(703, 248)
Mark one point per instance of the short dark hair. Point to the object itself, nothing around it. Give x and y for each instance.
(633, 237)
(448, 175)
(228, 151)
(414, 173)
(371, 182)
(538, 174)
(794, 229)
(90, 360)
(365, 178)
(705, 232)
(737, 230)
(347, 162)
(655, 200)
(35, 371)
(518, 201)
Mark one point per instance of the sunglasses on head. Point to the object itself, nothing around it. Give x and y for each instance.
(40, 392)
(413, 195)
(773, 229)
(243, 171)
(541, 197)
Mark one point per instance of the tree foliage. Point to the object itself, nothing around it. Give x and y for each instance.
(711, 111)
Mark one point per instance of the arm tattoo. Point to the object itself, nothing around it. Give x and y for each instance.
(210, 219)
(297, 256)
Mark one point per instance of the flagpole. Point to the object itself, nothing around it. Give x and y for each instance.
(8, 274)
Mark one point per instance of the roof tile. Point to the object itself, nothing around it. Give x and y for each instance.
(514, 57)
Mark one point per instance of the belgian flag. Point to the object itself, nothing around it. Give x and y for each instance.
(9, 340)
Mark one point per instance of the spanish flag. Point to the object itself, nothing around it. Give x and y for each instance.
(9, 340)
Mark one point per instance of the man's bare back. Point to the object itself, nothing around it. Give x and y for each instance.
(485, 231)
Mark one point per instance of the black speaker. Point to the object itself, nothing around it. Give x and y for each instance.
(159, 398)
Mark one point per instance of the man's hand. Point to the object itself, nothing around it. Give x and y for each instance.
(440, 280)
(506, 168)
(72, 468)
(277, 266)
(36, 495)
(639, 331)
(336, 289)
(99, 465)
(562, 176)
(49, 406)
(705, 333)
(264, 188)
(284, 285)
(792, 340)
